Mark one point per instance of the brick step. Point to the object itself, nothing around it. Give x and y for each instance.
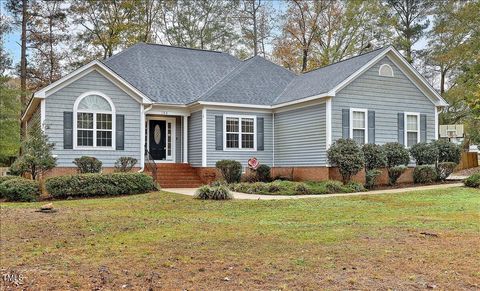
(180, 185)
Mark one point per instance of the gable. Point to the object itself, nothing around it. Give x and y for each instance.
(399, 87)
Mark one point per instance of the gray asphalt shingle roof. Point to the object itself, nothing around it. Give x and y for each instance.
(169, 74)
(177, 75)
(324, 79)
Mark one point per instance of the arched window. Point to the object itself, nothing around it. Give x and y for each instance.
(94, 121)
(385, 70)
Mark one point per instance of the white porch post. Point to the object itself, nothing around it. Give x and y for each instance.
(185, 138)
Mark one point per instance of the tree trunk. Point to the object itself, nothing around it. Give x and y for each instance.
(23, 56)
(255, 37)
(304, 60)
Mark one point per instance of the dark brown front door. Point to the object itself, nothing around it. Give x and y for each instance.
(157, 142)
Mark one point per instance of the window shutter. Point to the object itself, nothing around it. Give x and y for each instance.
(371, 126)
(68, 130)
(401, 129)
(345, 123)
(260, 133)
(423, 127)
(120, 131)
(219, 132)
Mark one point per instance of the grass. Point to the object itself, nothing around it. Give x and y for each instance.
(296, 188)
(170, 241)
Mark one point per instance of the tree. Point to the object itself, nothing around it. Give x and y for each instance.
(409, 19)
(47, 38)
(299, 32)
(10, 108)
(106, 25)
(5, 60)
(449, 44)
(36, 155)
(200, 24)
(348, 29)
(21, 14)
(256, 24)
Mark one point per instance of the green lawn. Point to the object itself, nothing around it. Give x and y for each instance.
(170, 241)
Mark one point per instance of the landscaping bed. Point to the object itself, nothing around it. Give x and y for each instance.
(296, 188)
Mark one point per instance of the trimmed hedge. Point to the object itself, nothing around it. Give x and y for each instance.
(473, 181)
(448, 151)
(213, 193)
(424, 153)
(87, 164)
(6, 178)
(263, 173)
(88, 185)
(347, 155)
(20, 189)
(424, 174)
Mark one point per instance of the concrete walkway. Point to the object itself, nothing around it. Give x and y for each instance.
(244, 196)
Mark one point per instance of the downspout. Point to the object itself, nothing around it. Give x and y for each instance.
(142, 144)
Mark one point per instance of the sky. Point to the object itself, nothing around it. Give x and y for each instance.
(12, 40)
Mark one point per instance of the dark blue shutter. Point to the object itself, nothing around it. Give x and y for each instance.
(68, 130)
(345, 123)
(120, 132)
(219, 132)
(401, 128)
(371, 126)
(423, 127)
(260, 134)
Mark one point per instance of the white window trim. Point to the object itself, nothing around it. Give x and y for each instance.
(75, 129)
(225, 116)
(406, 131)
(366, 122)
(380, 70)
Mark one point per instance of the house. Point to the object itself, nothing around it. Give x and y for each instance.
(184, 109)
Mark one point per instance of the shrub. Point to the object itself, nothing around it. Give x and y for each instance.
(371, 177)
(231, 170)
(473, 181)
(217, 183)
(448, 151)
(333, 186)
(424, 174)
(249, 177)
(424, 153)
(353, 187)
(444, 169)
(88, 165)
(301, 189)
(394, 173)
(125, 164)
(347, 156)
(87, 185)
(375, 157)
(6, 178)
(20, 189)
(396, 154)
(36, 157)
(213, 193)
(263, 173)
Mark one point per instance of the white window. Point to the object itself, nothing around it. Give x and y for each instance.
(358, 125)
(94, 121)
(239, 132)
(412, 128)
(385, 70)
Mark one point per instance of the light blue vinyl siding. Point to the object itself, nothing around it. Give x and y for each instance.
(387, 96)
(64, 99)
(300, 137)
(195, 139)
(213, 155)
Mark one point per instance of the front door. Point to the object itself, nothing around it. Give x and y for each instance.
(157, 139)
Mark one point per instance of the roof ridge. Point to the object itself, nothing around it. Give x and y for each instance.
(227, 78)
(378, 49)
(104, 61)
(186, 48)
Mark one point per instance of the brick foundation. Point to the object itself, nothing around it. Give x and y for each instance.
(208, 174)
(60, 171)
(301, 173)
